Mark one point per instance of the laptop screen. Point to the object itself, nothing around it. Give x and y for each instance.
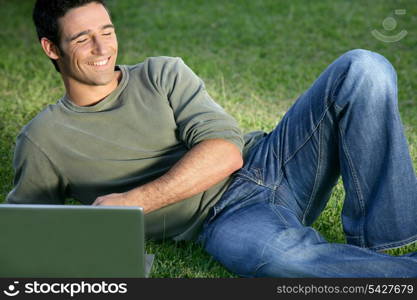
(71, 241)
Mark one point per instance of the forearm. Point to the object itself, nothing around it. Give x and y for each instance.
(202, 167)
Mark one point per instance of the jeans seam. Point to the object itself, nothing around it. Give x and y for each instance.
(328, 105)
(298, 149)
(342, 77)
(356, 187)
(276, 211)
(258, 179)
(393, 245)
(318, 170)
(307, 139)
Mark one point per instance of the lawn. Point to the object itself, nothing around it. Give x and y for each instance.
(256, 58)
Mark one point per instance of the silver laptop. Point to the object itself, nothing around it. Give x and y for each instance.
(72, 241)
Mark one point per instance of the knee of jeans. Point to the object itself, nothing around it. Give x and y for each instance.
(240, 257)
(368, 61)
(291, 254)
(371, 75)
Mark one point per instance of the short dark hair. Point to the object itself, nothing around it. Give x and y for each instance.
(46, 14)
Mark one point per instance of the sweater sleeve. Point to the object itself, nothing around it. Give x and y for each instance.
(36, 179)
(197, 116)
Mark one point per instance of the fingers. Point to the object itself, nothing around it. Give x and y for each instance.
(98, 201)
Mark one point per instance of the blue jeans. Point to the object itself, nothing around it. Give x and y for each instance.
(346, 124)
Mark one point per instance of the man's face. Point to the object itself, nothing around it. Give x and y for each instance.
(88, 46)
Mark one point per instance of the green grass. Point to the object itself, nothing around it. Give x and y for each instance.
(256, 58)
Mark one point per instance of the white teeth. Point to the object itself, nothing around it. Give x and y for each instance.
(100, 63)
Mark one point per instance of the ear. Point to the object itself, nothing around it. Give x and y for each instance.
(50, 49)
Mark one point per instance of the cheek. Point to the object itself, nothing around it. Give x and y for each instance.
(79, 56)
(113, 44)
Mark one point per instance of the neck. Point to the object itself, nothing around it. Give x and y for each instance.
(88, 95)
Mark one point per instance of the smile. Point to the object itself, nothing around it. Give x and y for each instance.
(100, 62)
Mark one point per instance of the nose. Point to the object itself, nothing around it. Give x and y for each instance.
(100, 46)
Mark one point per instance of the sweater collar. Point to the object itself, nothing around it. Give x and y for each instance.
(104, 104)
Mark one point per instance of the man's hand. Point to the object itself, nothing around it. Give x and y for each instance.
(116, 199)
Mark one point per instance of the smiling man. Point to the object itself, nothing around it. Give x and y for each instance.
(150, 135)
(86, 53)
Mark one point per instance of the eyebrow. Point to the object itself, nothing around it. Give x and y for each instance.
(77, 35)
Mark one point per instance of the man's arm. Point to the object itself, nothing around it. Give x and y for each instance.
(206, 164)
(36, 180)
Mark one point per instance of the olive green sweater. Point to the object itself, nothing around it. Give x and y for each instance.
(157, 113)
